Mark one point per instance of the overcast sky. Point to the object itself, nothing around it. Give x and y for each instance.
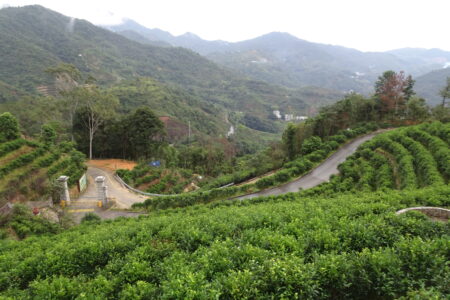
(368, 25)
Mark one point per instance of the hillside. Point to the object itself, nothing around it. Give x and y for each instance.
(281, 58)
(36, 38)
(28, 169)
(429, 85)
(435, 58)
(406, 158)
(349, 246)
(341, 240)
(45, 38)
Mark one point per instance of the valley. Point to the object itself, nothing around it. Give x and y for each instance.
(137, 164)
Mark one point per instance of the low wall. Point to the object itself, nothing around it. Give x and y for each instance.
(120, 180)
(436, 212)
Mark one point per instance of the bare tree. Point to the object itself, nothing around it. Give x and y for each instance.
(98, 106)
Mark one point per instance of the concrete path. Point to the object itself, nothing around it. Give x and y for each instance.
(121, 196)
(320, 174)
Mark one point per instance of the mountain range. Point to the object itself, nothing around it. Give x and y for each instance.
(280, 58)
(34, 38)
(211, 84)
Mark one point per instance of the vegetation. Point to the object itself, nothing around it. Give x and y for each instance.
(9, 128)
(213, 190)
(445, 92)
(21, 223)
(346, 246)
(158, 180)
(42, 58)
(406, 158)
(28, 167)
(339, 240)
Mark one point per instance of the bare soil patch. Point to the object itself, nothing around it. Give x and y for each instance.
(112, 164)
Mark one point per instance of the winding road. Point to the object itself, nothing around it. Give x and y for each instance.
(318, 175)
(124, 198)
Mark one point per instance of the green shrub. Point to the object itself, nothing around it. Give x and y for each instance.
(91, 217)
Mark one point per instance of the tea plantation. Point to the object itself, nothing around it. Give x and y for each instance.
(406, 158)
(28, 167)
(341, 240)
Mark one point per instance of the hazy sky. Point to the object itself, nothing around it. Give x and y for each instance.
(368, 25)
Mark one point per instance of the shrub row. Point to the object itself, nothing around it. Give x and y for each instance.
(189, 199)
(236, 178)
(402, 157)
(39, 163)
(425, 165)
(63, 164)
(438, 129)
(349, 246)
(383, 172)
(21, 161)
(47, 160)
(438, 148)
(10, 146)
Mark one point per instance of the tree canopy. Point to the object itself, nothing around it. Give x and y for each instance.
(9, 127)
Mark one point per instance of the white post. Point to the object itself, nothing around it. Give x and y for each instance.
(65, 196)
(100, 182)
(105, 195)
(102, 190)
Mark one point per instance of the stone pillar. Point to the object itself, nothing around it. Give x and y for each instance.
(65, 196)
(101, 189)
(105, 195)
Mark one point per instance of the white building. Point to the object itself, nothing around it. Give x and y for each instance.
(288, 117)
(277, 114)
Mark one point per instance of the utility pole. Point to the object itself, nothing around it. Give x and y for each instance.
(189, 133)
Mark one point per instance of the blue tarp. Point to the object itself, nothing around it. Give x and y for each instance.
(155, 163)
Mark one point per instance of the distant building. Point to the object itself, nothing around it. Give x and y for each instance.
(277, 114)
(288, 117)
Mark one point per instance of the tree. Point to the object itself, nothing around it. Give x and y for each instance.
(408, 91)
(144, 128)
(96, 107)
(289, 140)
(69, 84)
(9, 127)
(311, 144)
(48, 134)
(393, 91)
(445, 92)
(417, 109)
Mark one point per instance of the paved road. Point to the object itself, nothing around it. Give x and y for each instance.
(121, 195)
(87, 202)
(319, 175)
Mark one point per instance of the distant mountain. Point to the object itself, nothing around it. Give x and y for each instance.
(281, 58)
(284, 59)
(430, 58)
(187, 40)
(34, 38)
(429, 85)
(134, 36)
